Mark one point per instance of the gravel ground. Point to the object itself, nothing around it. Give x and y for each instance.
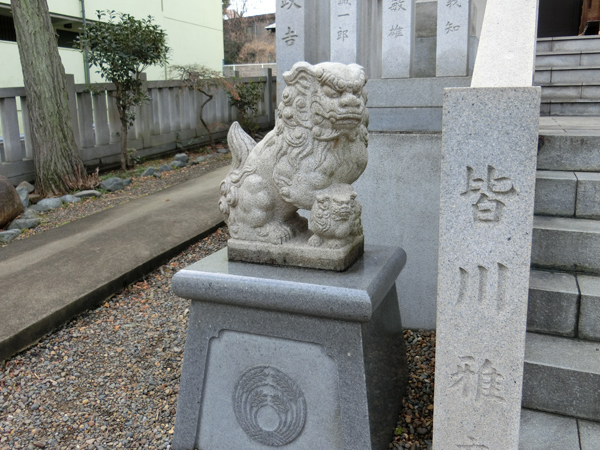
(415, 424)
(139, 187)
(110, 377)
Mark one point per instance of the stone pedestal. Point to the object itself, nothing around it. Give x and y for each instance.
(301, 358)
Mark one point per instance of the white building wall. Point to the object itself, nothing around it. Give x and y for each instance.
(194, 34)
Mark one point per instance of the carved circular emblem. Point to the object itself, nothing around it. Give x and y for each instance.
(269, 406)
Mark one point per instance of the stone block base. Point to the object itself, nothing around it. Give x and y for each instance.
(291, 357)
(297, 253)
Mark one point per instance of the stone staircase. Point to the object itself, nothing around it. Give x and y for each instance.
(561, 386)
(568, 69)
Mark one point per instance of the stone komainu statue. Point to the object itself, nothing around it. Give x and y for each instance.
(320, 139)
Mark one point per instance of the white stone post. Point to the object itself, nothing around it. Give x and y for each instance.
(156, 104)
(452, 54)
(290, 36)
(175, 108)
(344, 38)
(270, 108)
(398, 38)
(26, 128)
(13, 150)
(114, 121)
(165, 110)
(101, 119)
(489, 152)
(86, 121)
(144, 119)
(302, 35)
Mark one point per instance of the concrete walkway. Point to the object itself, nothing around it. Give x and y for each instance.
(49, 278)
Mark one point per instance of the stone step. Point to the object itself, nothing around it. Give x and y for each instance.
(555, 193)
(566, 244)
(567, 194)
(562, 376)
(544, 431)
(569, 44)
(568, 74)
(545, 60)
(566, 91)
(553, 305)
(589, 311)
(569, 152)
(570, 108)
(563, 304)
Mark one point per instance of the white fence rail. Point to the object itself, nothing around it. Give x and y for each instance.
(248, 70)
(171, 117)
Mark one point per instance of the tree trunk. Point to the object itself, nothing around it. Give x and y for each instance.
(210, 136)
(124, 154)
(124, 126)
(58, 165)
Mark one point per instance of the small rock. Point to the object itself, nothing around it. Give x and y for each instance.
(50, 203)
(27, 186)
(24, 224)
(23, 195)
(39, 444)
(35, 407)
(200, 159)
(88, 193)
(29, 214)
(157, 175)
(181, 157)
(112, 184)
(127, 181)
(165, 168)
(34, 198)
(9, 235)
(149, 172)
(178, 164)
(10, 202)
(222, 150)
(40, 208)
(70, 199)
(422, 431)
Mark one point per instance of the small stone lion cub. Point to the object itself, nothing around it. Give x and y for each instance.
(335, 217)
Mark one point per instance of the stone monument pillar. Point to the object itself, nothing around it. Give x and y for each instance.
(452, 53)
(302, 35)
(301, 358)
(344, 31)
(291, 37)
(398, 38)
(486, 217)
(354, 37)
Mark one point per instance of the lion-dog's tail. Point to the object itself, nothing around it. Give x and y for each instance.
(240, 144)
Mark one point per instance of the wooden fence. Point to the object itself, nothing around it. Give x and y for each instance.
(171, 117)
